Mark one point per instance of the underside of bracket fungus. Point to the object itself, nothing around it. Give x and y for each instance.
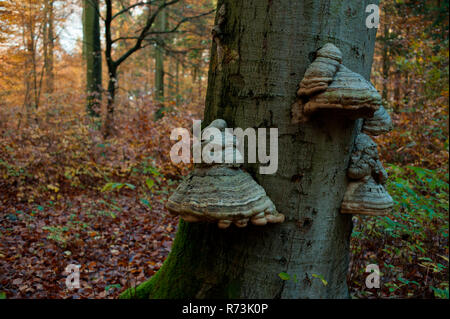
(223, 193)
(329, 85)
(380, 123)
(366, 194)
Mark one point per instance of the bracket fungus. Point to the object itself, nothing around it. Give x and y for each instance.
(329, 85)
(366, 194)
(366, 197)
(365, 161)
(348, 92)
(223, 193)
(321, 72)
(380, 123)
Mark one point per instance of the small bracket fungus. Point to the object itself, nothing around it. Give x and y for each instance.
(365, 161)
(223, 193)
(321, 72)
(367, 194)
(329, 85)
(380, 123)
(366, 197)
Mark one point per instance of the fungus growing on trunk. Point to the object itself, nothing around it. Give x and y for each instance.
(365, 161)
(223, 193)
(330, 86)
(321, 72)
(366, 197)
(380, 123)
(367, 194)
(350, 93)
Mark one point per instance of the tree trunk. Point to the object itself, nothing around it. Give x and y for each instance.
(108, 125)
(159, 74)
(385, 62)
(31, 100)
(159, 59)
(49, 47)
(267, 47)
(398, 83)
(93, 56)
(177, 82)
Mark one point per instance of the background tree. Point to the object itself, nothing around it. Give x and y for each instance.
(159, 57)
(265, 59)
(49, 46)
(92, 55)
(145, 35)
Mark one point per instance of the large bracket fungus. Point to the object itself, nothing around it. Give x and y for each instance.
(330, 86)
(366, 193)
(223, 193)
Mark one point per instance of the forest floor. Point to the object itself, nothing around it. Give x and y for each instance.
(68, 197)
(118, 242)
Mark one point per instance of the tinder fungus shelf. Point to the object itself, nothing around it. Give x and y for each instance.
(365, 193)
(223, 193)
(366, 197)
(328, 86)
(321, 72)
(349, 93)
(380, 123)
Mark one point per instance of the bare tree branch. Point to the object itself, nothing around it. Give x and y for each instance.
(144, 32)
(173, 30)
(138, 4)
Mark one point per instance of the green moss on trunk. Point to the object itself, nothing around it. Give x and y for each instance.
(185, 273)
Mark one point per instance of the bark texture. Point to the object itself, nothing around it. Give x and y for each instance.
(267, 46)
(161, 22)
(93, 56)
(49, 46)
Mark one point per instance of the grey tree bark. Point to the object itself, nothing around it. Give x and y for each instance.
(93, 56)
(267, 46)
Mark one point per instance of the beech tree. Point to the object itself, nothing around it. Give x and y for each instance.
(49, 45)
(159, 59)
(266, 47)
(93, 55)
(146, 34)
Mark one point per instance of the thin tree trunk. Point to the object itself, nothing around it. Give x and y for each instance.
(177, 82)
(397, 87)
(385, 62)
(93, 56)
(108, 127)
(255, 88)
(170, 79)
(199, 84)
(159, 59)
(49, 47)
(31, 94)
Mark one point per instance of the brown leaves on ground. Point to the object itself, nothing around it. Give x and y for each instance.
(116, 249)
